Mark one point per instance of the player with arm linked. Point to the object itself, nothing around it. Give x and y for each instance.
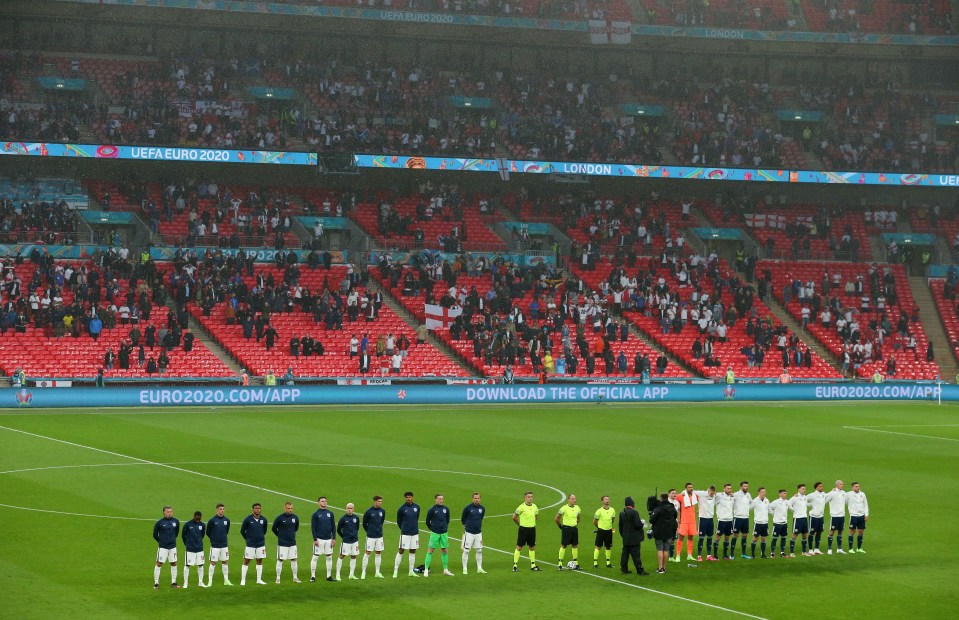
(817, 510)
(193, 535)
(472, 519)
(253, 531)
(800, 509)
(407, 519)
(348, 528)
(165, 532)
(724, 518)
(218, 531)
(742, 503)
(779, 508)
(438, 523)
(707, 511)
(760, 506)
(285, 527)
(373, 520)
(836, 500)
(858, 515)
(323, 526)
(688, 500)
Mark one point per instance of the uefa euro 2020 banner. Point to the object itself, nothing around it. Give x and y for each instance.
(157, 153)
(626, 171)
(133, 397)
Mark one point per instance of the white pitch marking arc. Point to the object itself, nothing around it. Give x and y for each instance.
(563, 495)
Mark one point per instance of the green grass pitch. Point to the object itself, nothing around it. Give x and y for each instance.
(80, 490)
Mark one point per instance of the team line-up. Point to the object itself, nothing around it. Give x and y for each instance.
(673, 518)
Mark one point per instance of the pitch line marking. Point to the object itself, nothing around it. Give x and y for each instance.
(876, 430)
(907, 425)
(563, 496)
(274, 492)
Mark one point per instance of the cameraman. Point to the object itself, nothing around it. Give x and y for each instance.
(664, 522)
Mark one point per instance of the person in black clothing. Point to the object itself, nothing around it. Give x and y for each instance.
(631, 530)
(188, 342)
(664, 520)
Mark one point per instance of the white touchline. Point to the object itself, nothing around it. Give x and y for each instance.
(280, 493)
(876, 430)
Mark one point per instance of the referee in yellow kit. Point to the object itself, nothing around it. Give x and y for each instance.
(568, 521)
(603, 521)
(525, 517)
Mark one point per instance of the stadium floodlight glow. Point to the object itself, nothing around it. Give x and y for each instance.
(798, 117)
(468, 104)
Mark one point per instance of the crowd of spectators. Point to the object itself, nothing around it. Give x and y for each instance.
(512, 315)
(27, 219)
(82, 299)
(715, 114)
(865, 327)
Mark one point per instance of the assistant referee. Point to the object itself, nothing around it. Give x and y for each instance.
(603, 521)
(525, 517)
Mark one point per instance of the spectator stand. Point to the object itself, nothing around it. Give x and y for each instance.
(61, 317)
(872, 315)
(257, 312)
(677, 304)
(513, 316)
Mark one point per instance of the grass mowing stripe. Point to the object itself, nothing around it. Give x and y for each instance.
(272, 491)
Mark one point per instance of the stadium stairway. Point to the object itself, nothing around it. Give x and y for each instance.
(673, 359)
(202, 335)
(787, 319)
(400, 310)
(932, 323)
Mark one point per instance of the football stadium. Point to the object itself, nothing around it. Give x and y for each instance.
(508, 307)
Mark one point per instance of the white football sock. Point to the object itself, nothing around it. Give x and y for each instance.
(352, 565)
(279, 568)
(259, 572)
(399, 560)
(466, 560)
(339, 565)
(156, 574)
(378, 562)
(366, 562)
(412, 561)
(313, 566)
(186, 576)
(243, 570)
(295, 566)
(329, 566)
(479, 559)
(173, 570)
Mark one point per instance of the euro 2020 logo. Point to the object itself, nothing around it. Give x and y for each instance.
(729, 392)
(24, 398)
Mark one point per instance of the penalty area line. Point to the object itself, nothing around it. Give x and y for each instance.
(280, 493)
